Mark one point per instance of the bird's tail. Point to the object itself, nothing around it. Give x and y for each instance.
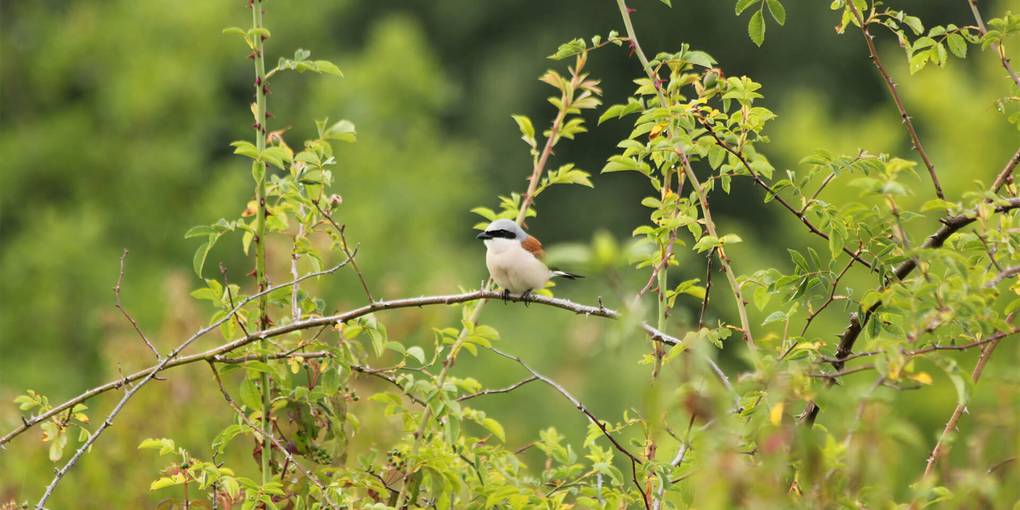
(564, 274)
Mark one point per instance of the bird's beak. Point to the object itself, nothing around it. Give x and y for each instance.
(483, 235)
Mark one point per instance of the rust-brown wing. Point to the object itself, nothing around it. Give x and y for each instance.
(531, 244)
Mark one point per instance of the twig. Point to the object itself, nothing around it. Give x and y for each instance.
(891, 85)
(840, 373)
(708, 288)
(134, 324)
(831, 298)
(1006, 174)
(658, 267)
(799, 214)
(634, 460)
(493, 391)
(950, 225)
(961, 407)
(230, 298)
(283, 449)
(346, 249)
(724, 261)
(389, 379)
(1009, 272)
(995, 46)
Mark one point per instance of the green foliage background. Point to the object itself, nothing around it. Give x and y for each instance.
(114, 124)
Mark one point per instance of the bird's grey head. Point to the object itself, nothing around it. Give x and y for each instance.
(503, 229)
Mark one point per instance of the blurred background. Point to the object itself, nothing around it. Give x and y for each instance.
(115, 120)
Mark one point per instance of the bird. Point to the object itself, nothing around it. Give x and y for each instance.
(514, 259)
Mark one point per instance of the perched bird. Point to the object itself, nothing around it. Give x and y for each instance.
(514, 259)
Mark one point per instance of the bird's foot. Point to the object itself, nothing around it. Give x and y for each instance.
(506, 297)
(527, 297)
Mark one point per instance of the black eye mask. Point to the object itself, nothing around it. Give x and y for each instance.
(497, 234)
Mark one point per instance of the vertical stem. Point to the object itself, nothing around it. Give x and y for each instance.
(260, 224)
(724, 261)
(891, 85)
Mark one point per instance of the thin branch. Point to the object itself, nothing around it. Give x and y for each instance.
(230, 299)
(834, 375)
(950, 225)
(831, 298)
(173, 360)
(658, 267)
(891, 85)
(724, 261)
(708, 288)
(283, 449)
(539, 166)
(134, 324)
(1006, 174)
(998, 48)
(799, 214)
(634, 460)
(961, 407)
(380, 375)
(1009, 272)
(493, 391)
(346, 249)
(702, 196)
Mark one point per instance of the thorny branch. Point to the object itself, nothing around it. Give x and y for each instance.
(799, 214)
(173, 360)
(998, 48)
(891, 85)
(698, 189)
(961, 407)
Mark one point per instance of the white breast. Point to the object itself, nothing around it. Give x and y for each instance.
(514, 268)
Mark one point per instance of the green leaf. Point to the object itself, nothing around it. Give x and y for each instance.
(494, 427)
(198, 261)
(164, 445)
(914, 23)
(250, 394)
(245, 148)
(276, 156)
(706, 243)
(742, 5)
(619, 163)
(342, 130)
(220, 442)
(417, 353)
(776, 316)
(957, 45)
(527, 129)
(167, 481)
(777, 10)
(568, 49)
(756, 28)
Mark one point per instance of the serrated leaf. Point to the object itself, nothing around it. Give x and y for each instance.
(742, 5)
(756, 28)
(957, 45)
(777, 10)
